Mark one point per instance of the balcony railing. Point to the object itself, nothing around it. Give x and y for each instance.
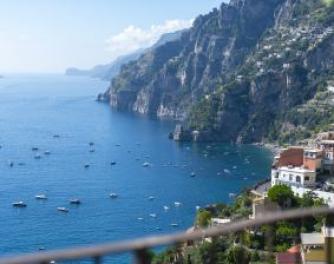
(140, 246)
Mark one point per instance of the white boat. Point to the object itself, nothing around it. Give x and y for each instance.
(231, 195)
(177, 204)
(151, 198)
(75, 201)
(227, 171)
(140, 219)
(41, 197)
(146, 164)
(174, 225)
(166, 208)
(153, 215)
(19, 204)
(113, 195)
(193, 174)
(62, 209)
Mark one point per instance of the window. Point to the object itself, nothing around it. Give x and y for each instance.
(298, 179)
(307, 178)
(290, 177)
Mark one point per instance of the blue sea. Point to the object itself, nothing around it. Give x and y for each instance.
(34, 108)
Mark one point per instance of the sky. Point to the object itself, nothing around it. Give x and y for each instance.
(49, 36)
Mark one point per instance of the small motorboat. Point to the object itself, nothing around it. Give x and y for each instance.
(19, 204)
(146, 164)
(37, 156)
(34, 148)
(151, 198)
(166, 208)
(21, 164)
(113, 195)
(62, 209)
(227, 171)
(92, 150)
(41, 197)
(231, 195)
(113, 163)
(86, 166)
(47, 152)
(140, 219)
(56, 136)
(75, 201)
(174, 225)
(153, 215)
(193, 174)
(10, 163)
(197, 207)
(177, 204)
(91, 143)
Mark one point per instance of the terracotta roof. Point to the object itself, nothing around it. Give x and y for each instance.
(288, 258)
(294, 249)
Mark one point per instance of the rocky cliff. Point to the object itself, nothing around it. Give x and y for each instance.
(250, 71)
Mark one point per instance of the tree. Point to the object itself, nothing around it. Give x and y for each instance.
(239, 254)
(203, 218)
(281, 194)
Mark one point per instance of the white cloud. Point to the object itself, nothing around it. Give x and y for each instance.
(133, 38)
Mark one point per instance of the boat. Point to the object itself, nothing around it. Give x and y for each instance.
(21, 164)
(92, 150)
(87, 166)
(151, 198)
(37, 156)
(41, 197)
(231, 195)
(113, 195)
(197, 207)
(153, 215)
(174, 225)
(227, 171)
(166, 208)
(75, 201)
(146, 164)
(140, 219)
(91, 144)
(62, 209)
(193, 174)
(34, 148)
(113, 163)
(19, 204)
(56, 136)
(47, 152)
(10, 163)
(177, 204)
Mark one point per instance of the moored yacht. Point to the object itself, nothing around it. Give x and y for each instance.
(41, 197)
(19, 204)
(62, 209)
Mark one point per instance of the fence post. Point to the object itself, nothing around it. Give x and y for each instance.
(142, 256)
(329, 239)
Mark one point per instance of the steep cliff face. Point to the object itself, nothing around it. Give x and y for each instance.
(238, 73)
(167, 80)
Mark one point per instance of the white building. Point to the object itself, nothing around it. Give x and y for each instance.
(293, 176)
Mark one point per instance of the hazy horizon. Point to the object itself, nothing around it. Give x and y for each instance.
(49, 37)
